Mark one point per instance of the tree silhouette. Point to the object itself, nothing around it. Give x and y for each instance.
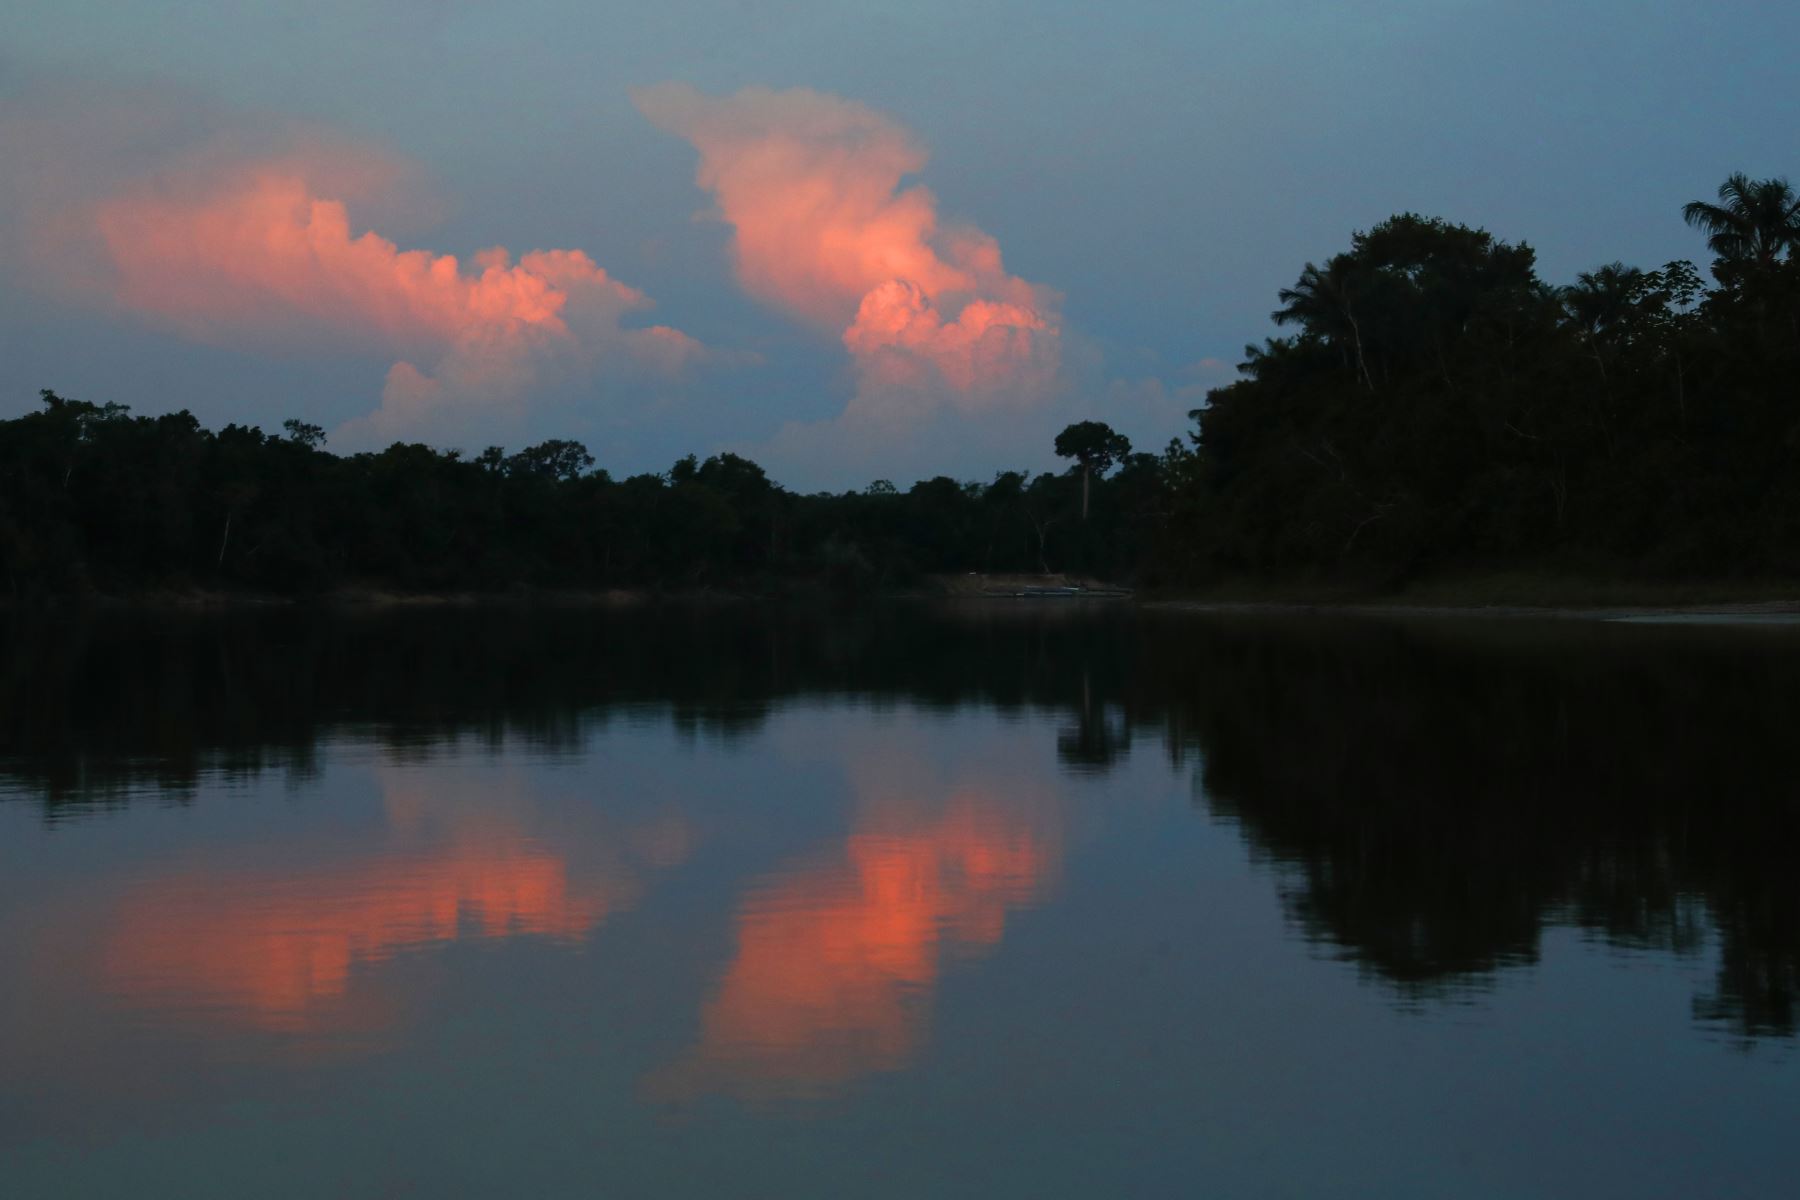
(1094, 446)
(1600, 305)
(304, 433)
(1323, 302)
(557, 458)
(1755, 222)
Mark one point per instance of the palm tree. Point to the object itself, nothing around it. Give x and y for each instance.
(1599, 306)
(1324, 302)
(1600, 302)
(1599, 299)
(1754, 223)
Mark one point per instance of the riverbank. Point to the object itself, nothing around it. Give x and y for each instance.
(1505, 596)
(1770, 612)
(1522, 597)
(207, 600)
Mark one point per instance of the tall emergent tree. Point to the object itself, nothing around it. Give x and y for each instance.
(1096, 447)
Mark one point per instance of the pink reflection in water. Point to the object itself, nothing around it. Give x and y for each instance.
(835, 964)
(279, 952)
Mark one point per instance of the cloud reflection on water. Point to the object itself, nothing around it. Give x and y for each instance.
(279, 952)
(837, 958)
(282, 947)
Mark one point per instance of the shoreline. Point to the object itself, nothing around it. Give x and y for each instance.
(1742, 612)
(1536, 600)
(1511, 596)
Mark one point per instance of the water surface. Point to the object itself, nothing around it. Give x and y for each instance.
(1004, 900)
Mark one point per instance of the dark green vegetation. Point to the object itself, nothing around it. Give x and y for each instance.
(1431, 797)
(94, 499)
(1438, 410)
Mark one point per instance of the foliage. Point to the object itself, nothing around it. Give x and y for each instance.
(1095, 448)
(93, 499)
(1440, 408)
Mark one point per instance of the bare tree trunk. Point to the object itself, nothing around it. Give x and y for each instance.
(1362, 363)
(1084, 491)
(1681, 391)
(224, 538)
(1040, 528)
(1437, 352)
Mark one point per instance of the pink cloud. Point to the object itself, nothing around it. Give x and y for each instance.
(258, 247)
(811, 186)
(261, 250)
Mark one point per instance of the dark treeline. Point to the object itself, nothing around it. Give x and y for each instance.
(1430, 798)
(95, 499)
(1440, 408)
(1437, 409)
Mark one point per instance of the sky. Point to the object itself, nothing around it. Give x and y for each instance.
(847, 240)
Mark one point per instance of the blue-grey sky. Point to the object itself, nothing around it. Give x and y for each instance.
(1152, 174)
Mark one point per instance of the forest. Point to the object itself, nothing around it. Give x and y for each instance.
(1432, 408)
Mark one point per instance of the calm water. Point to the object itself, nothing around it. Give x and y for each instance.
(1005, 901)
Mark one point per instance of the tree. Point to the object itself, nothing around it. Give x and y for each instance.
(1754, 223)
(1600, 305)
(1095, 446)
(558, 459)
(304, 433)
(1323, 302)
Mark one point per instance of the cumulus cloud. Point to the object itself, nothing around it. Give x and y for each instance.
(261, 250)
(811, 187)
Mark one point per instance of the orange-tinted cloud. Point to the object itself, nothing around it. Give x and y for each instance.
(811, 186)
(835, 965)
(265, 250)
(259, 246)
(256, 250)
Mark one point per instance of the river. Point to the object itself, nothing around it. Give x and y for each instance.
(1027, 899)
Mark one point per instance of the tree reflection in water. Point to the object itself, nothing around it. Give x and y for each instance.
(1433, 795)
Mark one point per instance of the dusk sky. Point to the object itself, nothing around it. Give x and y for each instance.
(847, 240)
